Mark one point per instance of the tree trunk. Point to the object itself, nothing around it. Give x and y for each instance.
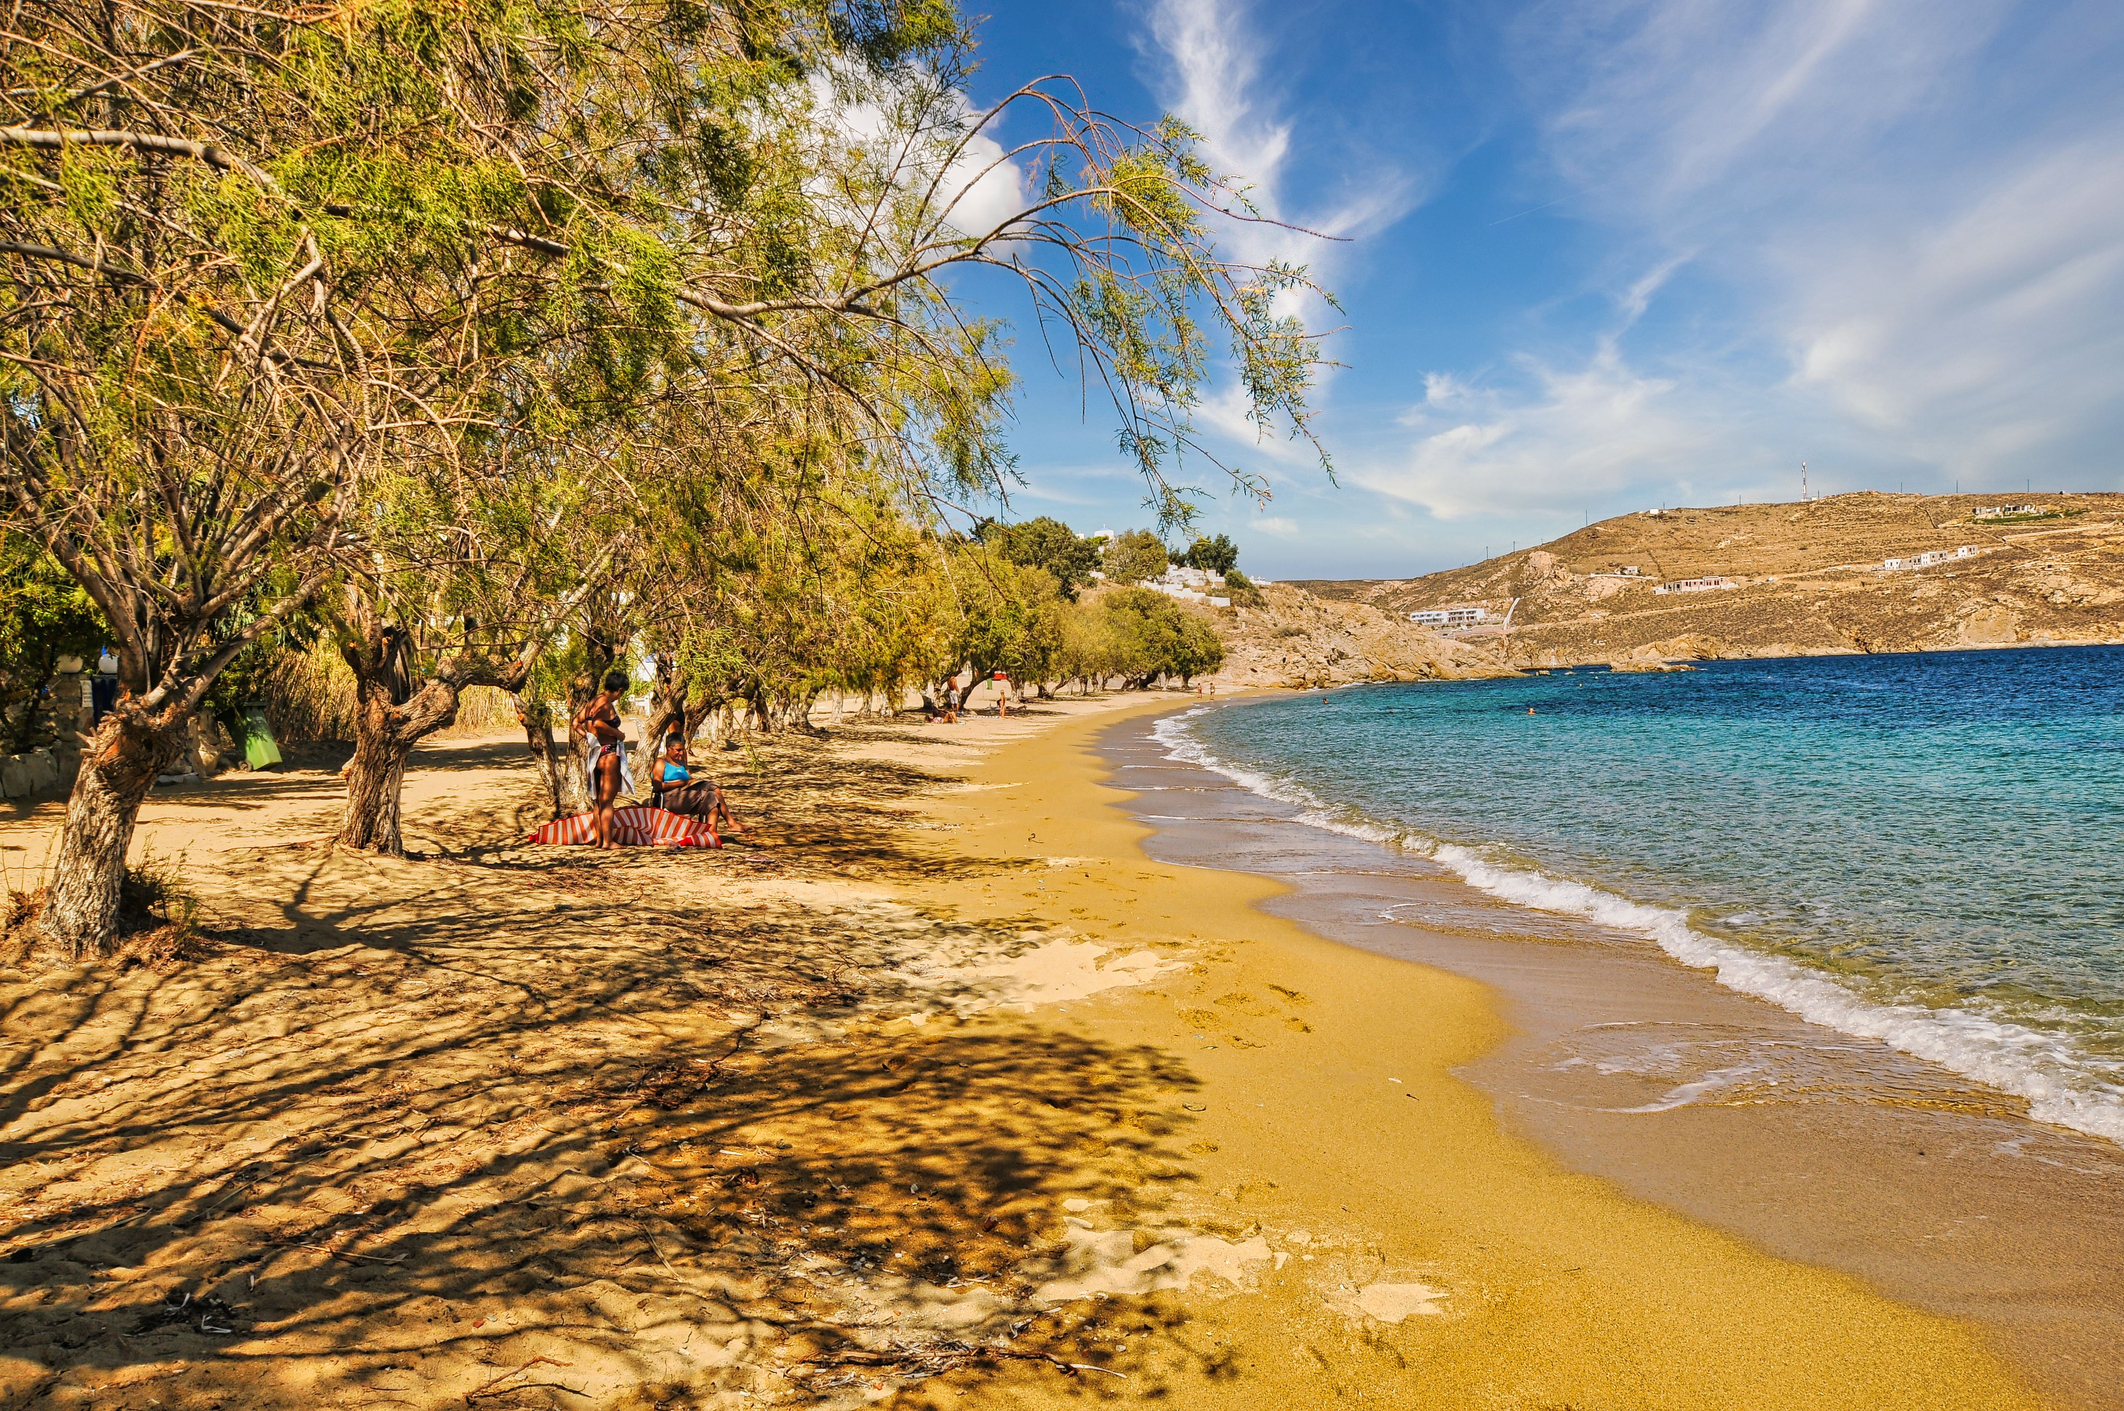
(563, 785)
(390, 718)
(118, 768)
(385, 733)
(376, 777)
(672, 707)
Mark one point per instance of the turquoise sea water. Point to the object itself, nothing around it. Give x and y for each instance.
(1925, 849)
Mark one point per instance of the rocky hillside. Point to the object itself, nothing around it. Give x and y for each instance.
(1297, 639)
(1809, 581)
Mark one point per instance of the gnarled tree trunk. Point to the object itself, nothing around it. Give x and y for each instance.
(385, 733)
(563, 784)
(118, 767)
(390, 718)
(673, 706)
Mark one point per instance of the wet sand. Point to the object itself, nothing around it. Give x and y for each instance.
(1815, 1146)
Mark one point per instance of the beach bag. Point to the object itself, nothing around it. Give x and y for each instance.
(637, 826)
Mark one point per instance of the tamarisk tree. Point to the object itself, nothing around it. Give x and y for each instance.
(259, 261)
(183, 409)
(466, 574)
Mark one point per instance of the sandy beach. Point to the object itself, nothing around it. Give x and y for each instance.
(944, 1093)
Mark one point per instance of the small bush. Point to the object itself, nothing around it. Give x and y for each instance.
(158, 918)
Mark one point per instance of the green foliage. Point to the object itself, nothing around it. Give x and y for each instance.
(44, 614)
(1242, 590)
(1044, 543)
(474, 317)
(1214, 555)
(1156, 635)
(1133, 557)
(1014, 622)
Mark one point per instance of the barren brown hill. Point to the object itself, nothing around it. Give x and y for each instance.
(1809, 580)
(1297, 639)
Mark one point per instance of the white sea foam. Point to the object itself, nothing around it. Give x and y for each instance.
(2045, 1068)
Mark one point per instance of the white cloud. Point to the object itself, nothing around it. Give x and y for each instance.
(1214, 78)
(1910, 218)
(1275, 524)
(1575, 437)
(1983, 332)
(979, 187)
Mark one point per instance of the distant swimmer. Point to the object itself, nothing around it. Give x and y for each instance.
(1530, 710)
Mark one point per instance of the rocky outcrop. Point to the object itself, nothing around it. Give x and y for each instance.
(1298, 640)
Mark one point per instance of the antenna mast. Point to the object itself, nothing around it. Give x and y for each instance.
(1803, 482)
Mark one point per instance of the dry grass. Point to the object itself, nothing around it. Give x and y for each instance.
(310, 696)
(159, 925)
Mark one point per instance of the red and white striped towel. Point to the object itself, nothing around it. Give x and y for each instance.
(637, 826)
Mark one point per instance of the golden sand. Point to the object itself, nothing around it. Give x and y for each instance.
(1333, 1131)
(946, 1066)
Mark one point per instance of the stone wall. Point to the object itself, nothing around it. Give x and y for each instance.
(63, 714)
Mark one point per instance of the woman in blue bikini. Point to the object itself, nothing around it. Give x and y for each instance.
(677, 791)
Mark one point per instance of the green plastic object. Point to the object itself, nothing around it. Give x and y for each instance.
(258, 744)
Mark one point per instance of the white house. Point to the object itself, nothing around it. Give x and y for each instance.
(1929, 558)
(1448, 617)
(1698, 585)
(1191, 585)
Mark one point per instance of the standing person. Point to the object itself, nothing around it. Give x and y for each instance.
(951, 702)
(1002, 694)
(599, 719)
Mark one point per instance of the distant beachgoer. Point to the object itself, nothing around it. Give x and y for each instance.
(1002, 694)
(1530, 710)
(599, 719)
(677, 791)
(951, 702)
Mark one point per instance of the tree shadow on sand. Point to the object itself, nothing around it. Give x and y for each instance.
(583, 1136)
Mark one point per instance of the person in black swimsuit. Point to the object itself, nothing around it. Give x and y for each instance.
(608, 761)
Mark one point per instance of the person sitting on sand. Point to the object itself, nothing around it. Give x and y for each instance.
(599, 719)
(677, 791)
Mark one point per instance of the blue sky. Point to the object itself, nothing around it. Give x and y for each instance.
(1600, 255)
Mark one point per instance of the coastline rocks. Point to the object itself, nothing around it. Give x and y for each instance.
(1988, 627)
(1298, 640)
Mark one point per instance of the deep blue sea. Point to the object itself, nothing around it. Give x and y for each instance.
(1926, 849)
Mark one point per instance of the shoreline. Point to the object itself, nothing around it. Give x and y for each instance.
(1335, 1129)
(1938, 1190)
(945, 1094)
(2029, 1067)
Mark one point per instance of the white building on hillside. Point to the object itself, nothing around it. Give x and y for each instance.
(1709, 584)
(1929, 558)
(1191, 585)
(1449, 617)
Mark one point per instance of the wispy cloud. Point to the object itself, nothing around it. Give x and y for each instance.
(1211, 72)
(1918, 260)
(1571, 436)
